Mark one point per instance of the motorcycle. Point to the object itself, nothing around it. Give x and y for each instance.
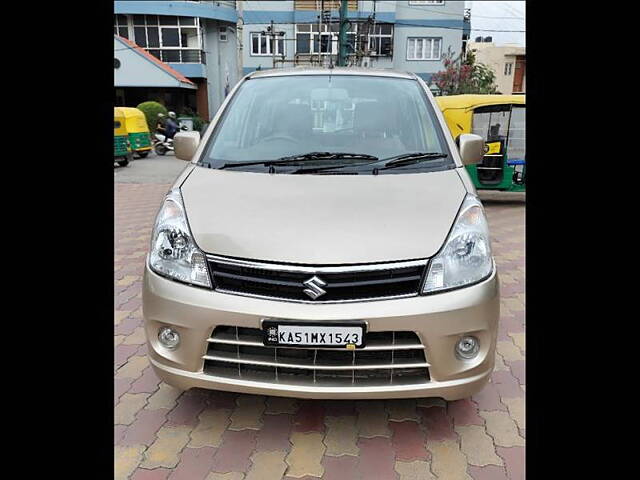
(162, 145)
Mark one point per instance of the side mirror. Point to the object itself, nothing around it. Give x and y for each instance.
(471, 148)
(185, 144)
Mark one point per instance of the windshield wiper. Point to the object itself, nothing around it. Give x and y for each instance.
(330, 156)
(411, 158)
(304, 156)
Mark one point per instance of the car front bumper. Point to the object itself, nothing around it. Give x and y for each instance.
(439, 320)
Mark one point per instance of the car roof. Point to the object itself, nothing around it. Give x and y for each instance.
(293, 71)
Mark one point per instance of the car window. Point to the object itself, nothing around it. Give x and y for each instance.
(274, 117)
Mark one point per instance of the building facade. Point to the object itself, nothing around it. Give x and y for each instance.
(199, 39)
(508, 62)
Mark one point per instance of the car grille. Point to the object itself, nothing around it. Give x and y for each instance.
(389, 358)
(350, 283)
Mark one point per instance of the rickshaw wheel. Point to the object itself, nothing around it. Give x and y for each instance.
(143, 154)
(123, 163)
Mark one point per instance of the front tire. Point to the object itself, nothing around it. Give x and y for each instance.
(123, 163)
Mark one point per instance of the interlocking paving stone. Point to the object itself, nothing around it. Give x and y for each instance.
(123, 353)
(128, 406)
(518, 339)
(195, 464)
(448, 461)
(234, 453)
(267, 466)
(402, 410)
(164, 397)
(165, 451)
(274, 434)
(517, 369)
(502, 428)
(133, 368)
(490, 472)
(372, 419)
(277, 405)
(212, 423)
(340, 468)
(310, 417)
(341, 436)
(305, 455)
(145, 427)
(137, 337)
(509, 351)
(477, 446)
(248, 413)
(514, 461)
(225, 476)
(155, 474)
(456, 437)
(516, 410)
(121, 386)
(438, 424)
(464, 412)
(416, 470)
(118, 433)
(148, 382)
(408, 441)
(506, 384)
(377, 458)
(489, 398)
(127, 460)
(188, 407)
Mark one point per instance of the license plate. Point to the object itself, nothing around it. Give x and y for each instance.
(315, 335)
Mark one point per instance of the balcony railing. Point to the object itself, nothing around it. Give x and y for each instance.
(183, 55)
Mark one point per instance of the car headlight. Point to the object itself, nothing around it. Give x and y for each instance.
(466, 255)
(173, 252)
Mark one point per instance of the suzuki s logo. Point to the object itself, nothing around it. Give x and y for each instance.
(315, 290)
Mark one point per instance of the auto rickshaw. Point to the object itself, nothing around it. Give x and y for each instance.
(138, 131)
(121, 146)
(500, 120)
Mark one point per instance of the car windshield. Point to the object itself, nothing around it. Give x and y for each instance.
(274, 117)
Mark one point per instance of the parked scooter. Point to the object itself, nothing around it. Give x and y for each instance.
(162, 145)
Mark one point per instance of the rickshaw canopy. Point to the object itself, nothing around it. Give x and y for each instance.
(458, 109)
(119, 122)
(135, 121)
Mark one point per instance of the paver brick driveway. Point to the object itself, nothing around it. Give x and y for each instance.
(161, 433)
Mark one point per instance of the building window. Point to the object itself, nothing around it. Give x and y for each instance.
(424, 48)
(508, 68)
(426, 2)
(121, 26)
(261, 44)
(222, 34)
(326, 4)
(310, 40)
(381, 40)
(169, 38)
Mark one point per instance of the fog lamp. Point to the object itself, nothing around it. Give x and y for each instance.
(467, 347)
(169, 338)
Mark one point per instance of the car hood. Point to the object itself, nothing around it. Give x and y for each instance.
(321, 219)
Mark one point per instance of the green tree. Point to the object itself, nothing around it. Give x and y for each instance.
(151, 111)
(462, 76)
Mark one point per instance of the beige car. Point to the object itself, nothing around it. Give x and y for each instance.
(324, 242)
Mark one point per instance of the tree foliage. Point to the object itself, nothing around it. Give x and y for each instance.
(151, 111)
(462, 76)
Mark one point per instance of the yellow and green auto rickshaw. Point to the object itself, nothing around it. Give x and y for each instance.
(121, 147)
(138, 131)
(500, 120)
